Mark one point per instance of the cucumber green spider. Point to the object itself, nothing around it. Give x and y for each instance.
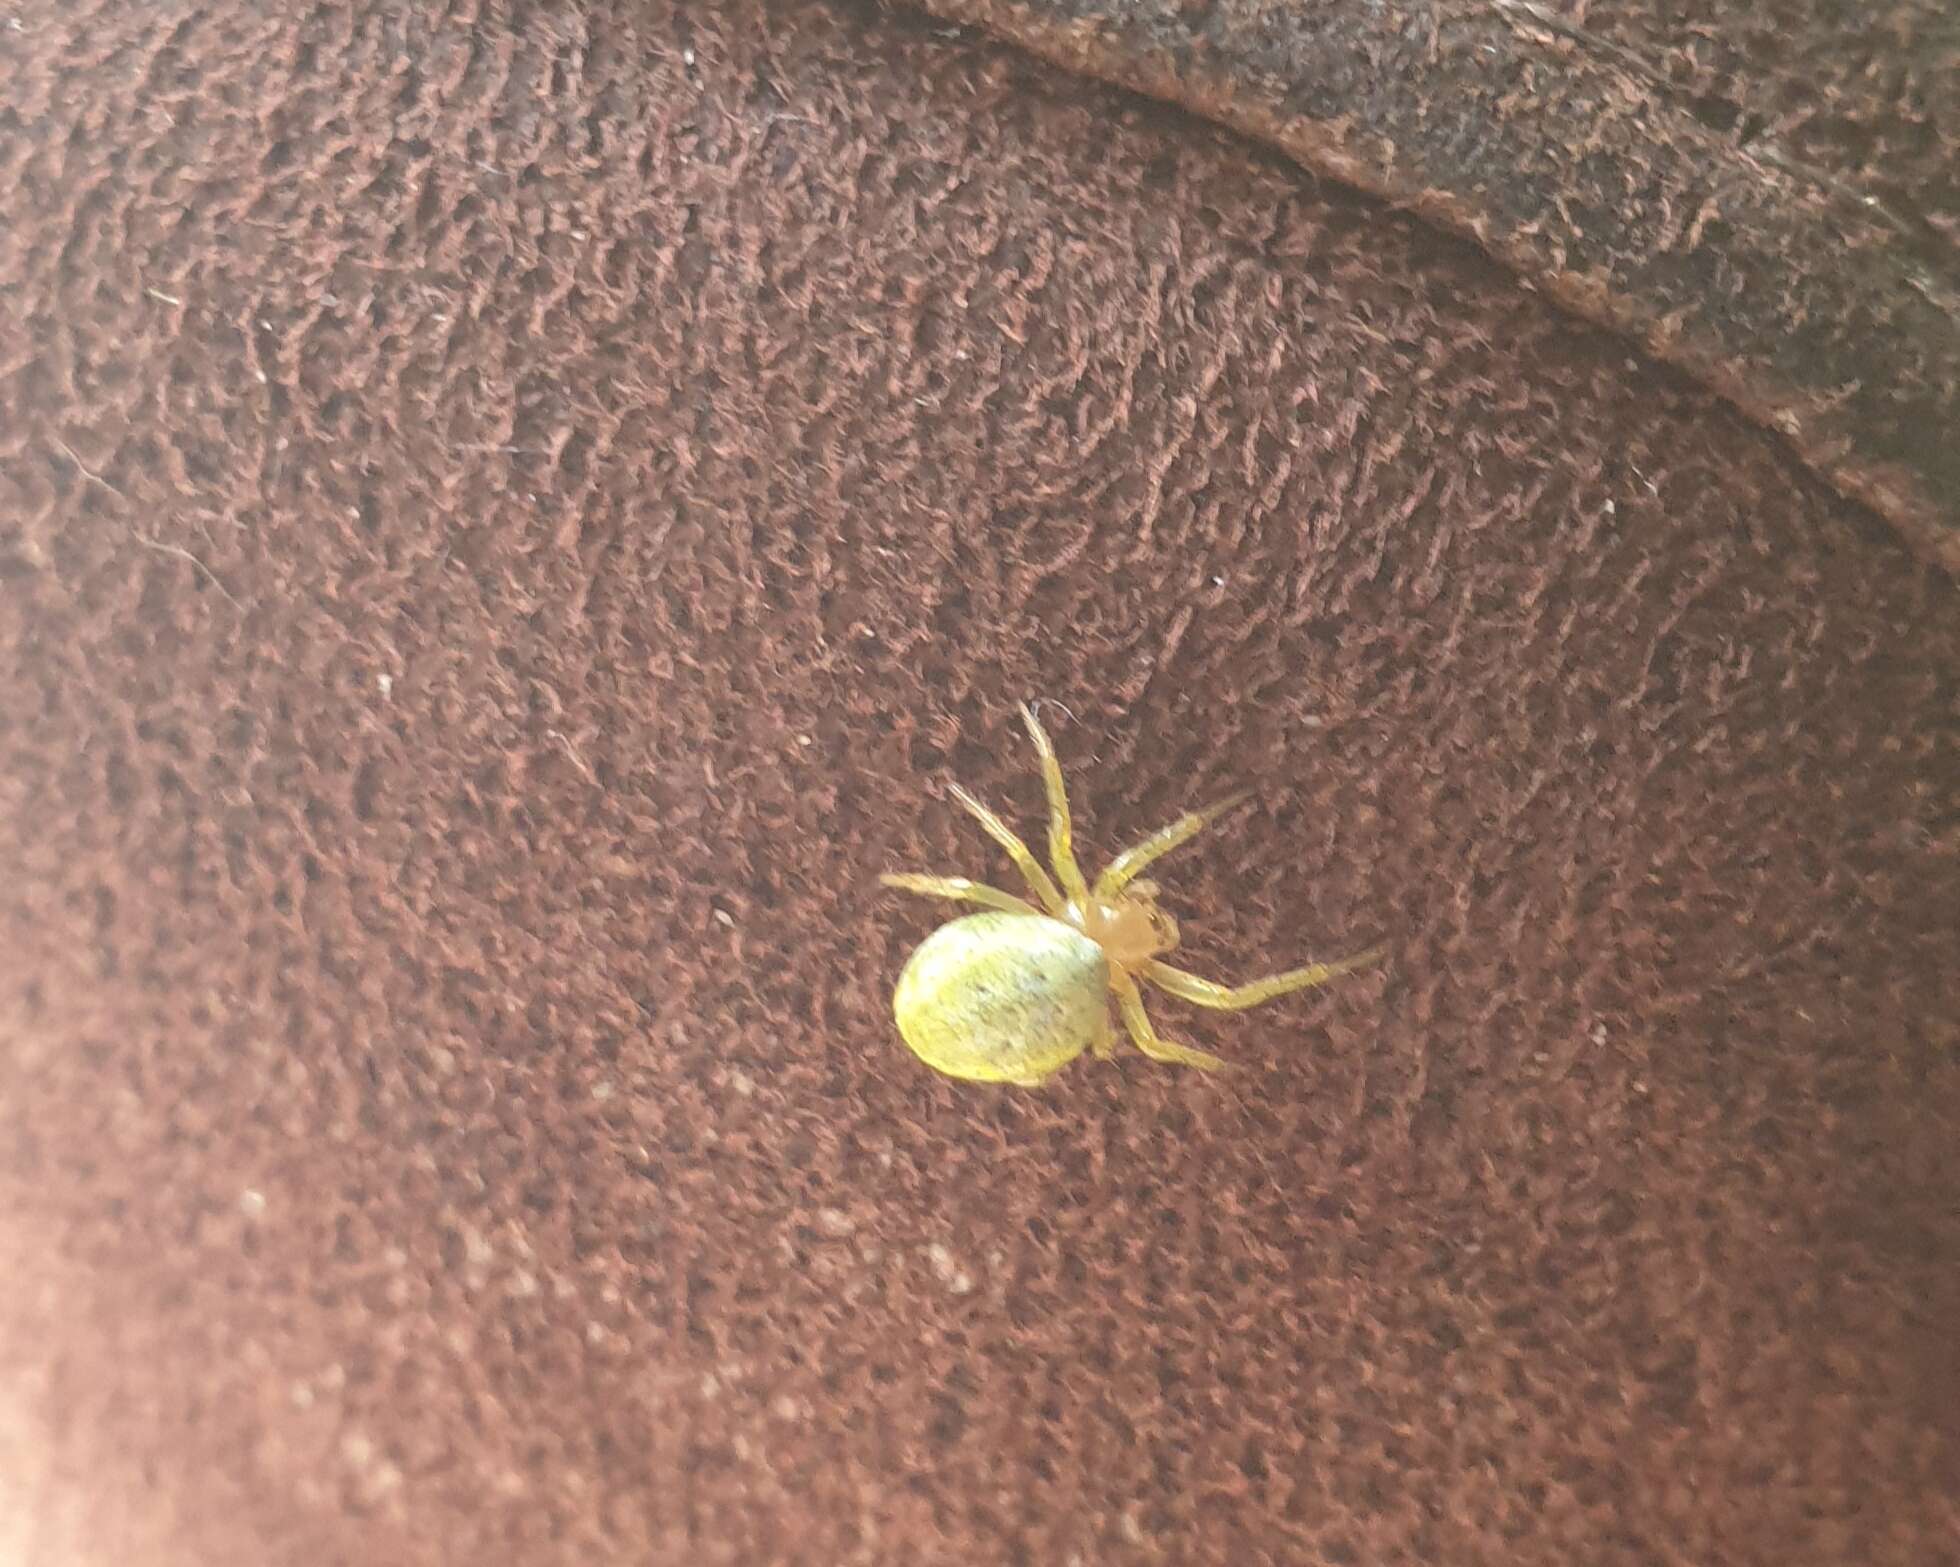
(1015, 993)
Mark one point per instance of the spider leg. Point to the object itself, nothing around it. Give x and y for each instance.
(1129, 1001)
(1122, 870)
(961, 890)
(1234, 998)
(1103, 1046)
(1017, 851)
(1061, 844)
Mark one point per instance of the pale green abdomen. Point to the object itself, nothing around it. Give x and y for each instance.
(1003, 998)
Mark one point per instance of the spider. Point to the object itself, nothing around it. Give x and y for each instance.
(1014, 994)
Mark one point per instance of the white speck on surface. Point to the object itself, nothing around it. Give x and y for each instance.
(835, 1221)
(947, 1270)
(1218, 582)
(805, 740)
(723, 917)
(1611, 509)
(742, 1083)
(251, 1204)
(687, 57)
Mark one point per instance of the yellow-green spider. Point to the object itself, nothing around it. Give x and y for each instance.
(1015, 994)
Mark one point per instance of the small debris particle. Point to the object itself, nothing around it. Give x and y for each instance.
(946, 1268)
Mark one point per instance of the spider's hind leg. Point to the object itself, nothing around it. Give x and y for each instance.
(1061, 831)
(960, 890)
(1042, 884)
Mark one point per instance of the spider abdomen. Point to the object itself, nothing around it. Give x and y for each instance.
(1003, 998)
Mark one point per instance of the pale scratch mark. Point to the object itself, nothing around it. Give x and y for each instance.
(144, 539)
(572, 751)
(86, 471)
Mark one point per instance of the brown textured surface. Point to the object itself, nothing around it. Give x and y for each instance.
(1819, 308)
(509, 517)
(1866, 96)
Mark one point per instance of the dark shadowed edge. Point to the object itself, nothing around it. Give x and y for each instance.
(1788, 294)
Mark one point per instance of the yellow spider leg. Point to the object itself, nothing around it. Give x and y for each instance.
(958, 887)
(1130, 1002)
(1017, 851)
(1122, 870)
(1061, 845)
(1234, 998)
(1103, 1046)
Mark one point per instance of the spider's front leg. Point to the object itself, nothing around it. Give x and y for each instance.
(1129, 1001)
(1236, 998)
(1125, 868)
